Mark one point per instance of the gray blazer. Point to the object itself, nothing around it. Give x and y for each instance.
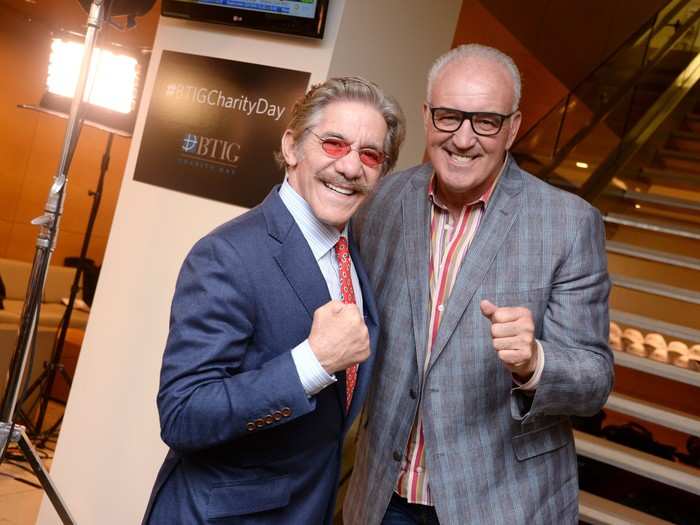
(494, 454)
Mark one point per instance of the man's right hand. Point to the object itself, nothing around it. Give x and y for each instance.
(339, 336)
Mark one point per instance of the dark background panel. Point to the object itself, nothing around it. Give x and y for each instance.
(201, 105)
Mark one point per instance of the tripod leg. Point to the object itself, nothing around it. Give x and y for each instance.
(38, 467)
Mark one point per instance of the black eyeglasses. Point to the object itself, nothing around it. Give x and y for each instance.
(483, 123)
(337, 148)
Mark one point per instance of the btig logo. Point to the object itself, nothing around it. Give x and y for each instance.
(189, 143)
(212, 149)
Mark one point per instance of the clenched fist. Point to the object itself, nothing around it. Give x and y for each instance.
(339, 336)
(513, 334)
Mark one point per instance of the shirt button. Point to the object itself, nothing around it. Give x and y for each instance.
(396, 455)
(441, 307)
(412, 393)
(419, 469)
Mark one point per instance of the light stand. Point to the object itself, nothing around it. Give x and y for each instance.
(45, 245)
(54, 367)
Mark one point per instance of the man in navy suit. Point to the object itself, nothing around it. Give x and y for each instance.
(271, 317)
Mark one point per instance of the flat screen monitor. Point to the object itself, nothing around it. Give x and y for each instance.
(297, 17)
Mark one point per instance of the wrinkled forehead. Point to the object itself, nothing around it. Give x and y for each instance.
(484, 82)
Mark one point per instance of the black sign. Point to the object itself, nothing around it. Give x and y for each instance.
(213, 126)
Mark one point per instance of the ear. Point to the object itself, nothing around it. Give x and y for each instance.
(289, 149)
(427, 118)
(515, 121)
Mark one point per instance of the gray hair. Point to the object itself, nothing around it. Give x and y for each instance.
(466, 51)
(307, 112)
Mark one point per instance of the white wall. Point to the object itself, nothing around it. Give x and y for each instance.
(109, 449)
(394, 43)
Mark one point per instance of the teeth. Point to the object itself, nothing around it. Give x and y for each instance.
(460, 157)
(340, 190)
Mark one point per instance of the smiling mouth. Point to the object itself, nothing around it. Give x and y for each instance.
(342, 191)
(461, 159)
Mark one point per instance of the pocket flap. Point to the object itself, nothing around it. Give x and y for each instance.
(542, 440)
(248, 497)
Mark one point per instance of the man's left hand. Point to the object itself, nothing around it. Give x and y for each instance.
(513, 334)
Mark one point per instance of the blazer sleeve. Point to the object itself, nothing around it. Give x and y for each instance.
(209, 395)
(578, 365)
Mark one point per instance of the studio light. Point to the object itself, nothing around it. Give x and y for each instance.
(112, 81)
(113, 87)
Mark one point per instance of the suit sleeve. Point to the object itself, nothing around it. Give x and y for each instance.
(578, 365)
(207, 397)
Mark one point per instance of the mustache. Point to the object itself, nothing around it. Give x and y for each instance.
(339, 180)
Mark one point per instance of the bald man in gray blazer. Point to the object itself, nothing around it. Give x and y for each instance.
(492, 288)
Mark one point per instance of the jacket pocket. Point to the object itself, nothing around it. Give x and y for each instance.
(248, 497)
(542, 440)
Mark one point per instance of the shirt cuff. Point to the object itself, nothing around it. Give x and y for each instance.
(537, 374)
(312, 375)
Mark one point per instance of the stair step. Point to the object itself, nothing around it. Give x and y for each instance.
(652, 325)
(649, 366)
(683, 155)
(688, 135)
(652, 198)
(680, 160)
(676, 178)
(654, 226)
(653, 255)
(668, 472)
(685, 141)
(662, 290)
(661, 415)
(595, 510)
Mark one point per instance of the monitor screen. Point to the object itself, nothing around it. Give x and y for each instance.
(298, 17)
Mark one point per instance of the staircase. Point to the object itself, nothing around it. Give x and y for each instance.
(638, 161)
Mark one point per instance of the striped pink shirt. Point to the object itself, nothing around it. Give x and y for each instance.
(449, 242)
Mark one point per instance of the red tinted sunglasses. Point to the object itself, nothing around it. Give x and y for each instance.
(338, 148)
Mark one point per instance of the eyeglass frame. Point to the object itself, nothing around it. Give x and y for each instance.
(468, 115)
(383, 156)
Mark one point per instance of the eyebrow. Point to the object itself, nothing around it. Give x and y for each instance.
(340, 136)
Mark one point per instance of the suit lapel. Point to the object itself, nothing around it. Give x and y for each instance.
(298, 265)
(293, 254)
(416, 231)
(500, 215)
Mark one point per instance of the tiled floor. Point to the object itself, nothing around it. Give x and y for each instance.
(19, 502)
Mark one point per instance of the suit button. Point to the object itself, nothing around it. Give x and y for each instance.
(259, 423)
(250, 426)
(286, 411)
(269, 420)
(396, 455)
(277, 415)
(412, 393)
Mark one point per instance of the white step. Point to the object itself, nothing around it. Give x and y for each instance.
(600, 511)
(653, 413)
(668, 472)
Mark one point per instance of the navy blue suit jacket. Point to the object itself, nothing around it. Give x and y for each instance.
(246, 443)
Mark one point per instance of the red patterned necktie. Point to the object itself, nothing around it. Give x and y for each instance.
(347, 296)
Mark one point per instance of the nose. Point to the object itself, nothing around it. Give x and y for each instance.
(349, 165)
(464, 137)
